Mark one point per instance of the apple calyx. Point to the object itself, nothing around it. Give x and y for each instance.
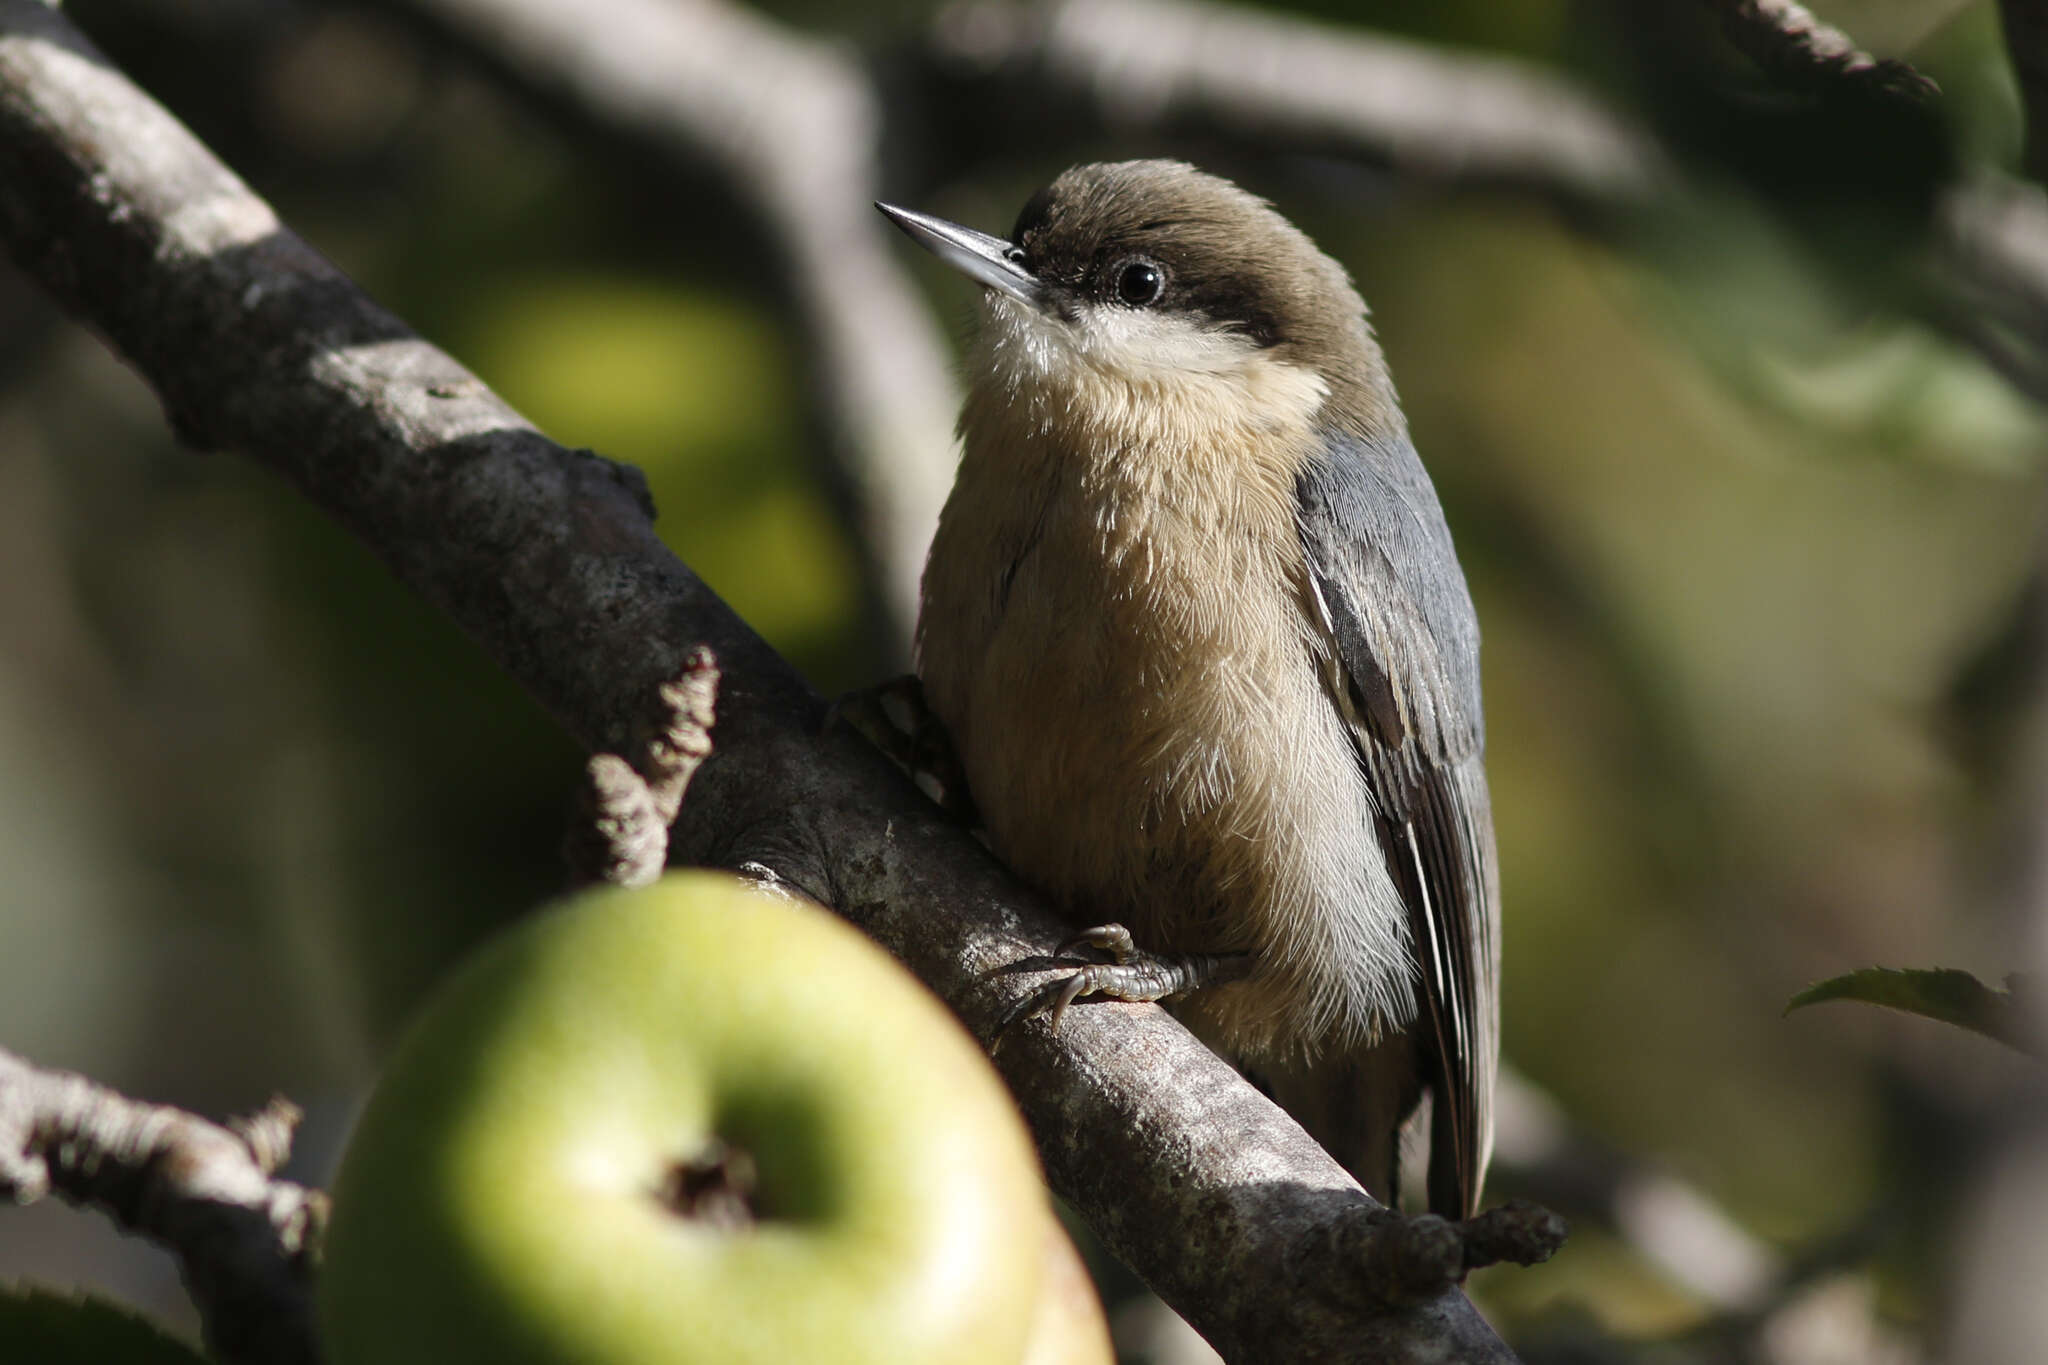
(715, 1187)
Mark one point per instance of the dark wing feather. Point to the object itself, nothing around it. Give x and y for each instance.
(1406, 644)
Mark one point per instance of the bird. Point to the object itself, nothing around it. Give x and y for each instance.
(1194, 624)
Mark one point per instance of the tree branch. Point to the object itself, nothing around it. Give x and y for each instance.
(2026, 43)
(1153, 63)
(548, 558)
(1788, 42)
(1992, 263)
(1169, 65)
(206, 1192)
(793, 124)
(620, 832)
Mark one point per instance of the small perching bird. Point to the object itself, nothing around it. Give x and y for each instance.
(1194, 623)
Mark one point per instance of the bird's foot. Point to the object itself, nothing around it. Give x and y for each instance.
(894, 717)
(1131, 975)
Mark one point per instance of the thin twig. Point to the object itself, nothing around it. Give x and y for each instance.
(206, 1192)
(620, 833)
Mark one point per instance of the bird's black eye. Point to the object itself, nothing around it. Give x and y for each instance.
(1140, 284)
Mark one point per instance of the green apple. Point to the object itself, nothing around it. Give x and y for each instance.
(690, 1123)
(1067, 1326)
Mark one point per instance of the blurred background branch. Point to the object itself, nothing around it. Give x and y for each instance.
(1786, 40)
(790, 126)
(1271, 82)
(2026, 38)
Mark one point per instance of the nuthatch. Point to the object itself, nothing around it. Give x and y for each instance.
(1194, 623)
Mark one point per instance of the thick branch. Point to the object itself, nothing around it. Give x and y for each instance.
(206, 1192)
(548, 558)
(793, 124)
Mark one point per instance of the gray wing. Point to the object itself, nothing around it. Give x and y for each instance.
(1406, 678)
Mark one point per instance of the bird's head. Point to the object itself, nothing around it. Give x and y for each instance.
(1155, 276)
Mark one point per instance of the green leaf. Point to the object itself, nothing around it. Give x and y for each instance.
(53, 1328)
(1944, 993)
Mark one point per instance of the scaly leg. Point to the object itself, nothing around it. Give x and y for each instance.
(1130, 975)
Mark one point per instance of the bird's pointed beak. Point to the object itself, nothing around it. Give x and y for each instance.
(985, 259)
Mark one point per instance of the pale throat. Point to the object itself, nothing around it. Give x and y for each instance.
(1132, 395)
(1164, 452)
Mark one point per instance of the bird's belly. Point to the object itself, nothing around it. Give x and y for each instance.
(1170, 760)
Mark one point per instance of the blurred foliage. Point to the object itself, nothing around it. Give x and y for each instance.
(695, 389)
(60, 1329)
(1736, 520)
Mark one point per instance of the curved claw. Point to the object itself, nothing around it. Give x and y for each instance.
(1112, 939)
(1052, 998)
(1065, 994)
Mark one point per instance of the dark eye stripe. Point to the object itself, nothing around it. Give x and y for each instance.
(1237, 301)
